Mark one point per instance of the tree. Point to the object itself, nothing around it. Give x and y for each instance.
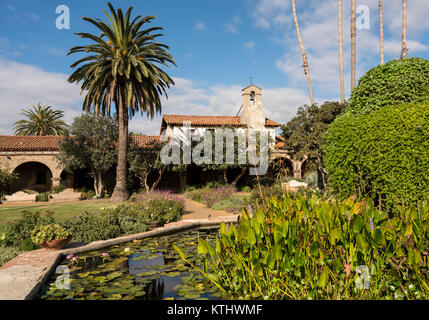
(42, 121)
(340, 48)
(353, 45)
(380, 11)
(91, 143)
(304, 134)
(6, 179)
(144, 161)
(404, 50)
(122, 66)
(304, 55)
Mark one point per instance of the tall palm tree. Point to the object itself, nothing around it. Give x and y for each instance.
(380, 11)
(353, 45)
(122, 66)
(340, 47)
(404, 50)
(42, 121)
(304, 55)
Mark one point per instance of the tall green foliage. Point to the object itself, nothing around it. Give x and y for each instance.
(41, 121)
(303, 134)
(122, 68)
(309, 248)
(383, 155)
(91, 143)
(398, 81)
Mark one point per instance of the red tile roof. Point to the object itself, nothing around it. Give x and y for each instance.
(50, 143)
(29, 143)
(209, 121)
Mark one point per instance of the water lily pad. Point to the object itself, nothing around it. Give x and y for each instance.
(172, 274)
(113, 275)
(191, 295)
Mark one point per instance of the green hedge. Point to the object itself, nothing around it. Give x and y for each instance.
(396, 82)
(383, 155)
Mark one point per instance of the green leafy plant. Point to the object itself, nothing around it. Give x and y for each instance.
(42, 234)
(43, 197)
(59, 188)
(17, 232)
(311, 248)
(396, 82)
(383, 155)
(163, 211)
(233, 204)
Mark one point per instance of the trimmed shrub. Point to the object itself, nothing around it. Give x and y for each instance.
(92, 227)
(163, 211)
(383, 155)
(233, 204)
(210, 196)
(396, 82)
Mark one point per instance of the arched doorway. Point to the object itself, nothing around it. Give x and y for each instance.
(34, 176)
(282, 167)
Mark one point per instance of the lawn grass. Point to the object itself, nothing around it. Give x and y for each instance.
(61, 211)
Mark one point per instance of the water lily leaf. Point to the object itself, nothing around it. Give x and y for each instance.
(83, 275)
(113, 275)
(172, 274)
(115, 297)
(191, 295)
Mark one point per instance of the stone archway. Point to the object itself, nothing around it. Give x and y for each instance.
(33, 175)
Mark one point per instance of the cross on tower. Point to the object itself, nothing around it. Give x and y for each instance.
(251, 79)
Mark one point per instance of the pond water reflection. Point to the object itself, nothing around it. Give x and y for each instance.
(148, 269)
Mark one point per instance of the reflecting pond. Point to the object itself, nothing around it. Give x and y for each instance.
(147, 269)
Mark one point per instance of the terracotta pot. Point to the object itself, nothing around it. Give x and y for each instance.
(56, 244)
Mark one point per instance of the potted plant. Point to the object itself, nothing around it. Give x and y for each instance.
(51, 236)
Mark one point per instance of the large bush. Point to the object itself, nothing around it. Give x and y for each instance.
(396, 82)
(383, 155)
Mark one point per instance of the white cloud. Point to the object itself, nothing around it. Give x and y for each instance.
(232, 25)
(200, 26)
(249, 45)
(22, 86)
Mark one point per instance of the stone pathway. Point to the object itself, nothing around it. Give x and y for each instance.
(22, 277)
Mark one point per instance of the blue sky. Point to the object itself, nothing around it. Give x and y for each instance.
(217, 46)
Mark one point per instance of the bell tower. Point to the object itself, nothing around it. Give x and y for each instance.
(252, 114)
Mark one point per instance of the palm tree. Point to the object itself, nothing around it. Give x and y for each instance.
(122, 66)
(304, 55)
(42, 121)
(353, 45)
(340, 47)
(404, 50)
(380, 6)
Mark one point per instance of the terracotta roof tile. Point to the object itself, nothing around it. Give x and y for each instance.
(29, 143)
(175, 119)
(49, 143)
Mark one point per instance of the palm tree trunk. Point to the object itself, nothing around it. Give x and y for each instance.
(353, 45)
(380, 6)
(304, 55)
(121, 192)
(404, 51)
(340, 48)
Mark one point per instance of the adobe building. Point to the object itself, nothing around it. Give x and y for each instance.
(33, 158)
